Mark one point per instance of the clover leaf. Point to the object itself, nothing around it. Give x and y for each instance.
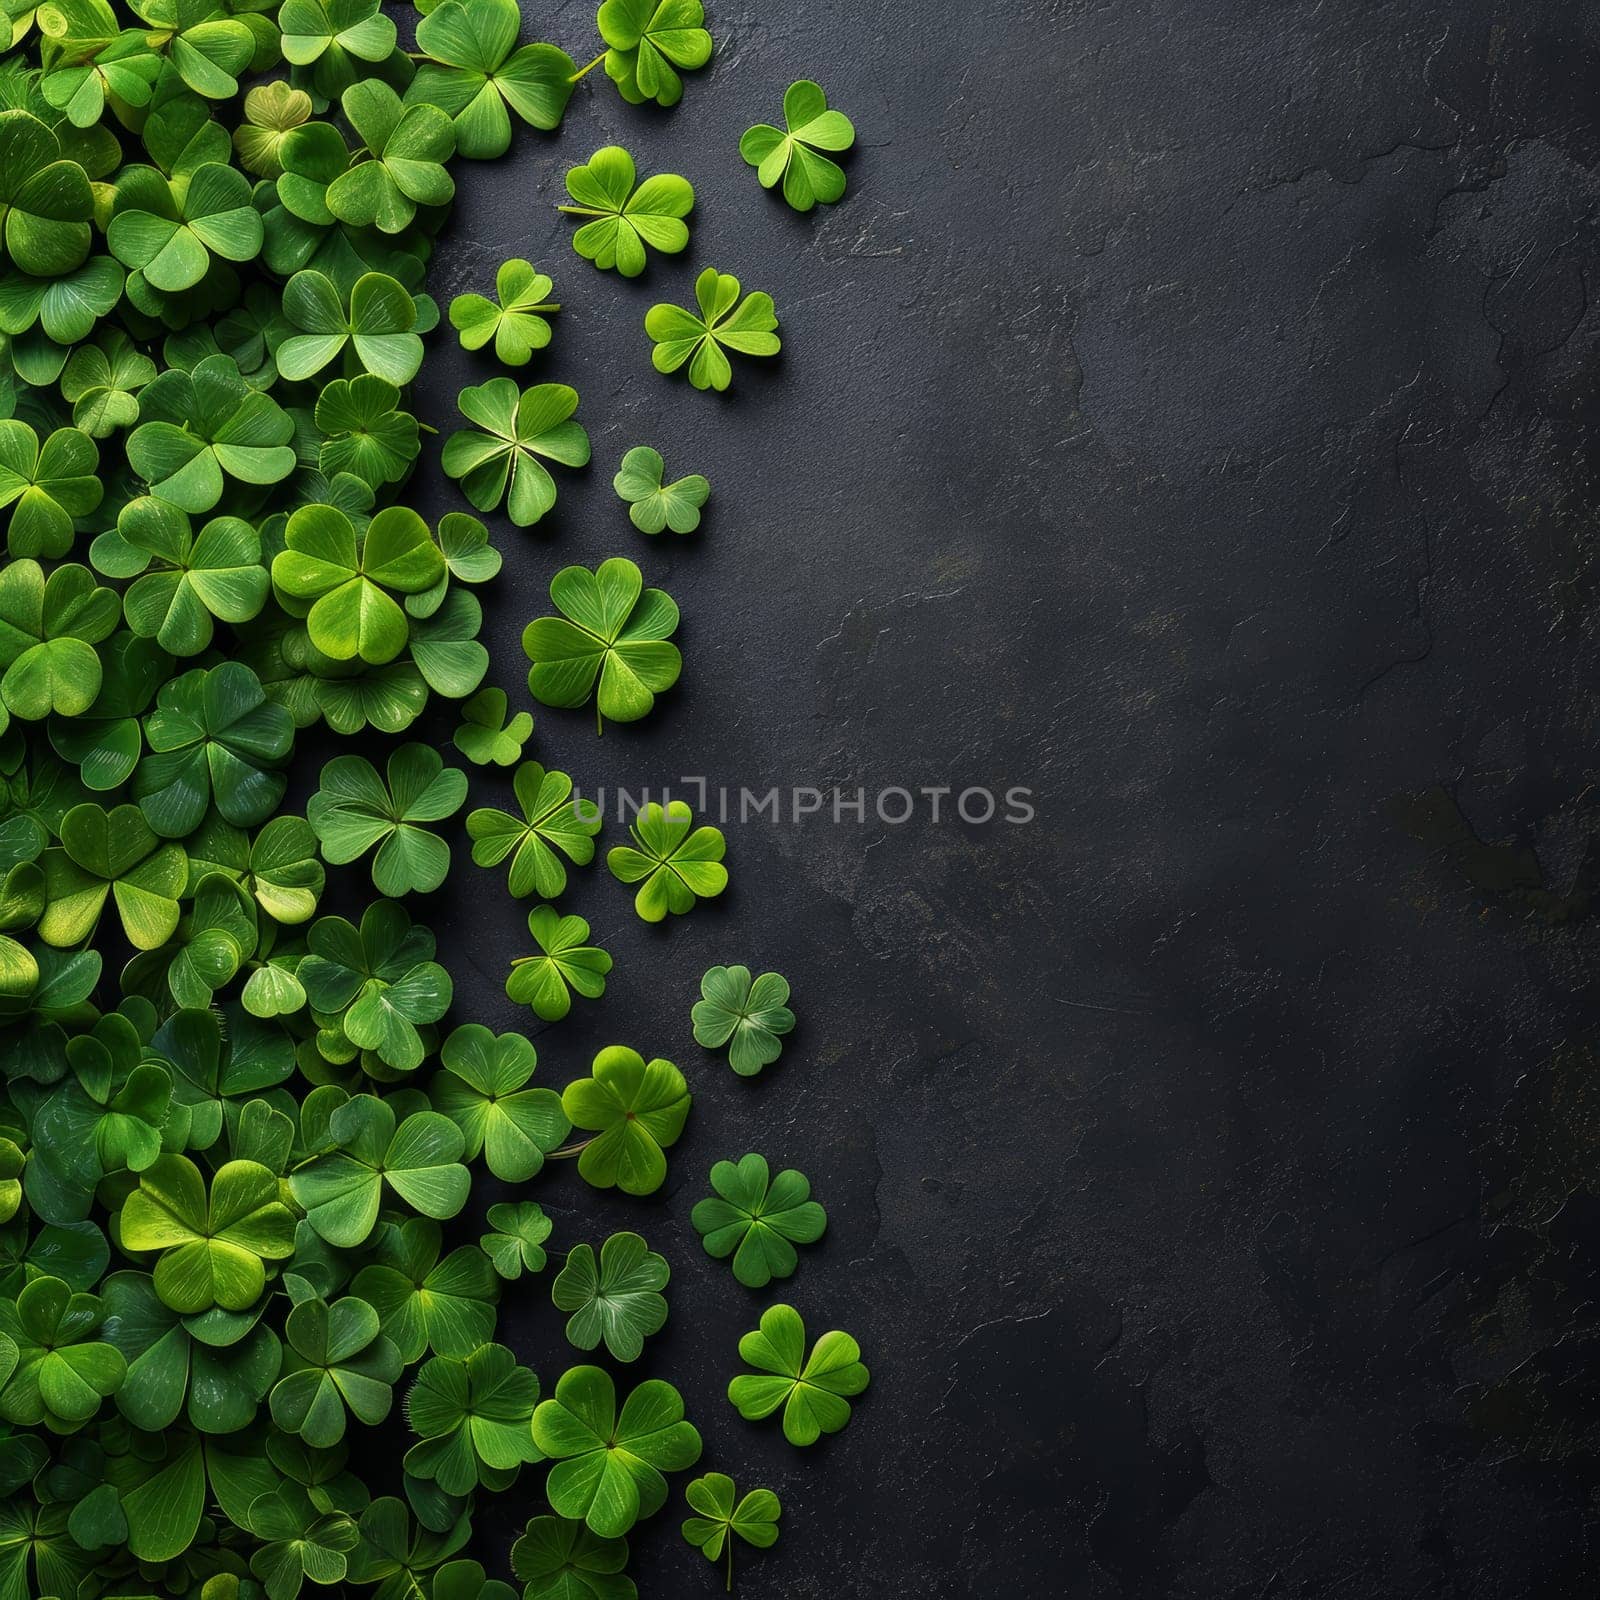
(407, 147)
(813, 1390)
(567, 965)
(425, 1303)
(758, 1222)
(517, 1242)
(354, 809)
(206, 51)
(111, 854)
(215, 739)
(283, 872)
(719, 1520)
(608, 1466)
(213, 943)
(338, 1364)
(502, 462)
(47, 486)
(636, 1111)
(484, 1092)
(518, 324)
(45, 200)
(794, 153)
(331, 37)
(477, 71)
(212, 1248)
(653, 505)
(485, 736)
(172, 233)
(672, 865)
(725, 322)
(471, 1416)
(364, 431)
(750, 1013)
(558, 1558)
(651, 41)
(271, 112)
(66, 309)
(617, 1299)
(297, 1543)
(551, 821)
(613, 629)
(101, 383)
(48, 630)
(62, 1372)
(377, 325)
(623, 220)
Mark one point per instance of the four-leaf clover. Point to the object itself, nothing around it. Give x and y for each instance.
(813, 1390)
(719, 1520)
(551, 821)
(617, 1298)
(518, 324)
(622, 219)
(651, 41)
(502, 462)
(758, 1222)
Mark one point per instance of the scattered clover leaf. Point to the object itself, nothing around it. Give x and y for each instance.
(724, 323)
(617, 1299)
(519, 324)
(517, 1243)
(758, 1222)
(567, 965)
(426, 1303)
(719, 1520)
(551, 821)
(653, 505)
(794, 153)
(622, 219)
(813, 1390)
(673, 862)
(752, 1014)
(485, 736)
(650, 42)
(502, 462)
(484, 1092)
(47, 486)
(378, 328)
(636, 1112)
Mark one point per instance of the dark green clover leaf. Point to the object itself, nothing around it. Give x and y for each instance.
(674, 863)
(172, 234)
(517, 1243)
(750, 1013)
(271, 112)
(418, 1159)
(446, 649)
(617, 1299)
(812, 1389)
(338, 1364)
(297, 1543)
(45, 201)
(111, 853)
(551, 821)
(364, 430)
(485, 736)
(336, 39)
(465, 1579)
(719, 1520)
(613, 629)
(427, 1304)
(213, 1249)
(608, 1466)
(215, 739)
(794, 153)
(502, 462)
(407, 147)
(724, 323)
(47, 486)
(518, 323)
(67, 308)
(635, 1111)
(378, 326)
(622, 219)
(484, 1092)
(48, 630)
(351, 583)
(558, 1558)
(207, 50)
(62, 1370)
(213, 943)
(101, 383)
(399, 1558)
(354, 810)
(651, 41)
(283, 872)
(567, 964)
(471, 1416)
(478, 70)
(756, 1222)
(654, 505)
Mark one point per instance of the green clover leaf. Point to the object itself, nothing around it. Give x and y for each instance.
(651, 41)
(113, 854)
(484, 1092)
(674, 863)
(45, 200)
(172, 234)
(567, 965)
(48, 630)
(101, 383)
(719, 1521)
(62, 1371)
(558, 1558)
(338, 1364)
(502, 462)
(724, 323)
(758, 1222)
(425, 1303)
(297, 1543)
(271, 111)
(623, 220)
(751, 1013)
(794, 153)
(471, 1416)
(486, 737)
(364, 430)
(551, 821)
(407, 147)
(47, 486)
(617, 1298)
(653, 505)
(378, 329)
(331, 37)
(517, 1243)
(813, 1390)
(518, 323)
(636, 1112)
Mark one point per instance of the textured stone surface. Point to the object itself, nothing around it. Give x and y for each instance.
(1189, 414)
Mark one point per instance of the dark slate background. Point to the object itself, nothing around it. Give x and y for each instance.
(1189, 414)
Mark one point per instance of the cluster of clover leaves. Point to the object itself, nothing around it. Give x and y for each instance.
(231, 1124)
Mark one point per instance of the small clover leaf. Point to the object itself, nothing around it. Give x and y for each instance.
(636, 1112)
(471, 1417)
(653, 505)
(719, 1520)
(379, 328)
(558, 1558)
(101, 383)
(517, 1243)
(568, 965)
(608, 1466)
(758, 1222)
(339, 1363)
(484, 1092)
(812, 1389)
(427, 1304)
(297, 1543)
(651, 41)
(617, 1299)
(751, 1013)
(623, 220)
(672, 865)
(518, 324)
(502, 462)
(794, 153)
(551, 821)
(486, 737)
(364, 430)
(724, 323)
(271, 112)
(407, 147)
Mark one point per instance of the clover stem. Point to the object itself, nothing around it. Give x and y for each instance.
(590, 68)
(599, 721)
(571, 1149)
(730, 1560)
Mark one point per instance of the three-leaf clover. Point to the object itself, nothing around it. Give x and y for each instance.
(48, 630)
(472, 1417)
(812, 1389)
(407, 147)
(650, 42)
(758, 1222)
(752, 1013)
(427, 1304)
(502, 462)
(622, 219)
(101, 383)
(719, 1519)
(558, 1558)
(794, 153)
(518, 323)
(45, 201)
(674, 863)
(378, 328)
(517, 1243)
(567, 965)
(608, 1467)
(170, 232)
(613, 629)
(61, 1372)
(551, 821)
(297, 1542)
(113, 854)
(47, 486)
(354, 809)
(484, 1092)
(635, 1111)
(654, 505)
(331, 36)
(271, 111)
(338, 1363)
(724, 323)
(617, 1299)
(485, 735)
